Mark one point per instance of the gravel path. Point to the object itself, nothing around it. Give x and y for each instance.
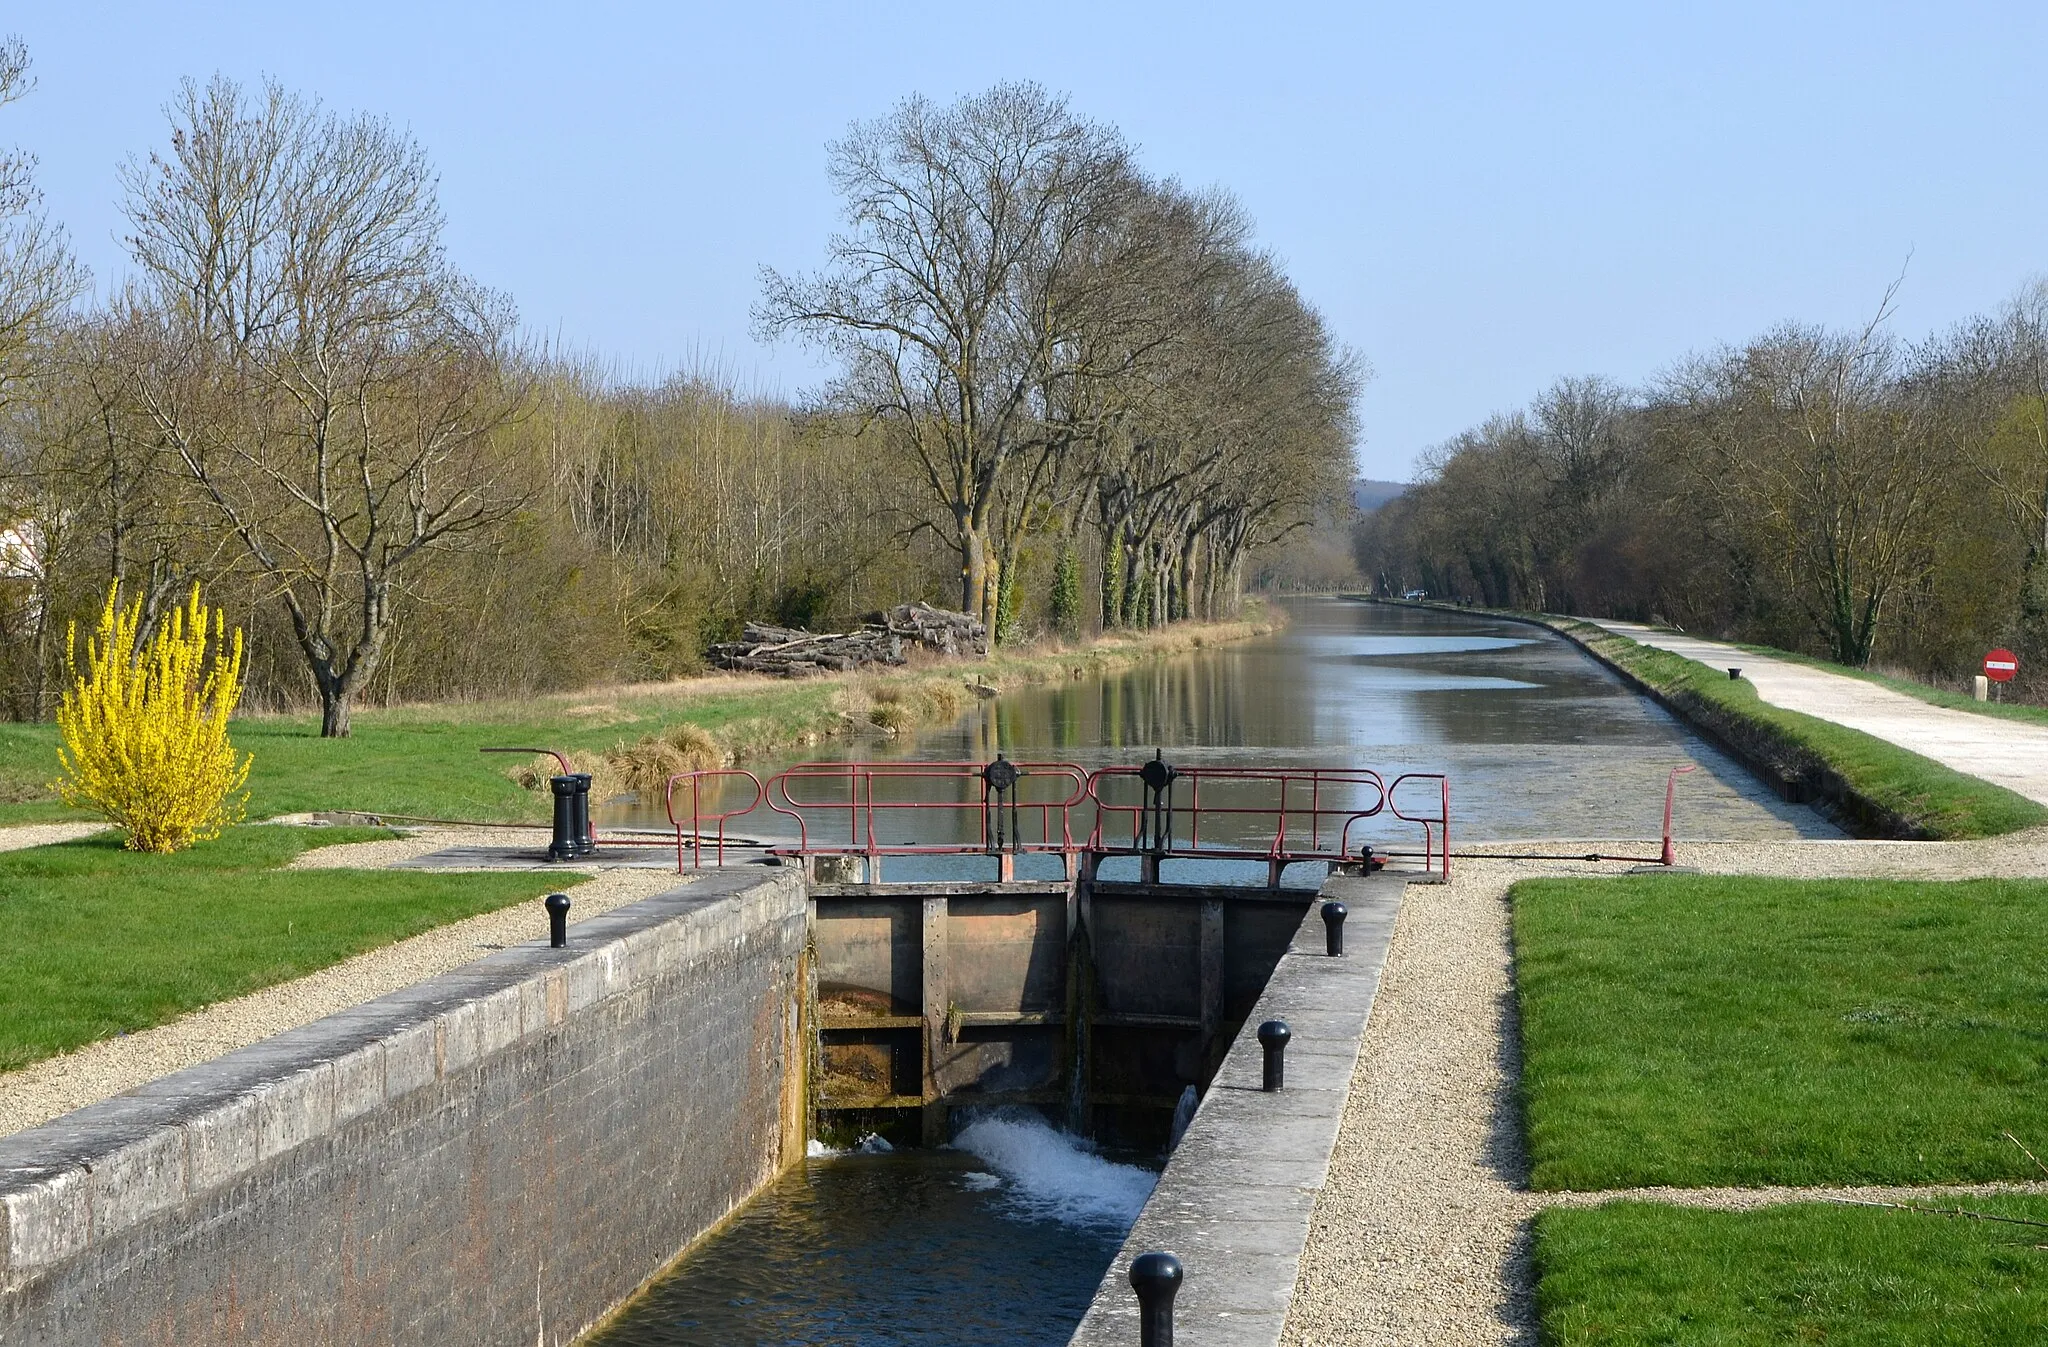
(55, 1086)
(1421, 1233)
(22, 835)
(2012, 753)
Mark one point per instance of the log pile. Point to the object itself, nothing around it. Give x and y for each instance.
(793, 653)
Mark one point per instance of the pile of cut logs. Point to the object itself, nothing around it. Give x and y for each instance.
(881, 640)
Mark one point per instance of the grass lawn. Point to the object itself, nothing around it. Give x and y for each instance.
(423, 761)
(1704, 1030)
(103, 941)
(1634, 1273)
(1938, 800)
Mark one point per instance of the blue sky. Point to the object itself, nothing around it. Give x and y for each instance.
(1480, 197)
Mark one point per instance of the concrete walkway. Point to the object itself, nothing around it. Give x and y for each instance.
(2010, 753)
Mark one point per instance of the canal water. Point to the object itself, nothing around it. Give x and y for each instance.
(1002, 1238)
(1537, 738)
(997, 1241)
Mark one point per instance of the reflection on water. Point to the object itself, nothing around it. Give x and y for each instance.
(999, 1241)
(1539, 740)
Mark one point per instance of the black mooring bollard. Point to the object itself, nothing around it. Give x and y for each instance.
(1155, 1277)
(1273, 1036)
(1333, 926)
(562, 846)
(580, 826)
(557, 905)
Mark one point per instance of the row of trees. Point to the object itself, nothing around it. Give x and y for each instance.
(1844, 493)
(1053, 368)
(1058, 345)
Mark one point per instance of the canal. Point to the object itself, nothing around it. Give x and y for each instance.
(1002, 1238)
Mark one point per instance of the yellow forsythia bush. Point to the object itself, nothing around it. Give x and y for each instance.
(145, 732)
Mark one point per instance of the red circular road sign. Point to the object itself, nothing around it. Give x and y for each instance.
(2000, 665)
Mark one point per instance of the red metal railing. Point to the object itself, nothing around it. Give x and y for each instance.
(1276, 815)
(824, 793)
(1437, 826)
(698, 818)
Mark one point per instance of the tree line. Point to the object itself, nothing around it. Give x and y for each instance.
(1070, 396)
(1844, 493)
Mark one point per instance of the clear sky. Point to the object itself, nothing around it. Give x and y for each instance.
(1479, 197)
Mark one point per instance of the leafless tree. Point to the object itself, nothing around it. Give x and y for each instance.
(329, 383)
(38, 276)
(944, 296)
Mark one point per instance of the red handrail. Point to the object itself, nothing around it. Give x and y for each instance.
(697, 815)
(1284, 812)
(1442, 819)
(852, 792)
(838, 810)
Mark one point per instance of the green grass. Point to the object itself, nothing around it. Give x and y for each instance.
(103, 941)
(1633, 1274)
(1705, 1030)
(1933, 800)
(423, 761)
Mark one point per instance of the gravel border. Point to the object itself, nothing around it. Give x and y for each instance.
(1421, 1234)
(57, 1085)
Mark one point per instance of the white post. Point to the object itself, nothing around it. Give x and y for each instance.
(1983, 688)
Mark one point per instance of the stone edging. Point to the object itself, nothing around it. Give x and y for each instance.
(1235, 1200)
(82, 1179)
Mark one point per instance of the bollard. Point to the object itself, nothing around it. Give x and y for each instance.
(1734, 673)
(1334, 913)
(562, 846)
(557, 905)
(1155, 1277)
(1273, 1036)
(580, 823)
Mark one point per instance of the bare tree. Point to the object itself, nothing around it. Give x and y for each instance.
(330, 385)
(944, 297)
(38, 276)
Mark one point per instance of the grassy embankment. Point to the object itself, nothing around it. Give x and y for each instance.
(1881, 788)
(104, 941)
(1697, 1031)
(422, 761)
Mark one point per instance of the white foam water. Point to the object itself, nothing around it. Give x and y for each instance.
(871, 1144)
(1055, 1175)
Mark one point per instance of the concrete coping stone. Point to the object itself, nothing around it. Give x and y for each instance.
(1235, 1199)
(84, 1178)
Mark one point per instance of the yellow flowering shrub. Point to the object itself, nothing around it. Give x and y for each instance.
(145, 731)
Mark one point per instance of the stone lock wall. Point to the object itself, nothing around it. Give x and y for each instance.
(499, 1155)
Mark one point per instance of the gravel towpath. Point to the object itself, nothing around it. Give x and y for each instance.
(57, 1085)
(1420, 1235)
(2012, 753)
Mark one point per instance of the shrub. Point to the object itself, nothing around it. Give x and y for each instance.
(145, 731)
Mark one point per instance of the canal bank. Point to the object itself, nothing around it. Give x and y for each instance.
(1531, 730)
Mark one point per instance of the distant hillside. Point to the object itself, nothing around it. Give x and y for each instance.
(1369, 495)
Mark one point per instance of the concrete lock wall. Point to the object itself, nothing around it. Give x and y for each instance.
(499, 1155)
